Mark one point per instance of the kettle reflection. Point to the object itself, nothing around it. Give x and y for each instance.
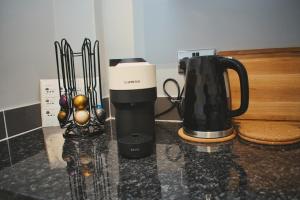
(211, 172)
(87, 168)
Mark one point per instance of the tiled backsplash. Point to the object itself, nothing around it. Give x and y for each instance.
(19, 127)
(19, 121)
(15, 126)
(22, 119)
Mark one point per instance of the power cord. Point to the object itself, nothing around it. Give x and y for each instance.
(175, 101)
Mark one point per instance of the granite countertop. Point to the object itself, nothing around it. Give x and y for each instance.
(92, 169)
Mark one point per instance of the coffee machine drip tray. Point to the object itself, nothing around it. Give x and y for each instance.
(207, 136)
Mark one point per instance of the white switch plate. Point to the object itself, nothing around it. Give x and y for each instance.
(195, 52)
(49, 102)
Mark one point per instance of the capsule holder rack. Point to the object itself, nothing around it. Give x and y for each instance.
(90, 57)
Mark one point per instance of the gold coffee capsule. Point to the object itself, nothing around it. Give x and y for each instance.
(62, 116)
(80, 102)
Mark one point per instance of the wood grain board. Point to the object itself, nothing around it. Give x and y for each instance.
(273, 116)
(274, 83)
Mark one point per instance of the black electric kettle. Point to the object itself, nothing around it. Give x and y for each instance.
(206, 103)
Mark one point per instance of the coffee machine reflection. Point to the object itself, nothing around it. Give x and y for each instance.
(211, 171)
(138, 179)
(87, 168)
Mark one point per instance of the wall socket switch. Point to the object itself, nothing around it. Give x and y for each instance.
(190, 53)
(49, 102)
(196, 52)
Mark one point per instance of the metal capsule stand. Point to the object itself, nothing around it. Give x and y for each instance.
(68, 87)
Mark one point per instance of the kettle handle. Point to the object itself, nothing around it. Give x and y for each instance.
(244, 85)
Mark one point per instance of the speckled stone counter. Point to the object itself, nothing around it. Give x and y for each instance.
(92, 169)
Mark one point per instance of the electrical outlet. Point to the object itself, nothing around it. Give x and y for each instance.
(49, 102)
(196, 52)
(190, 53)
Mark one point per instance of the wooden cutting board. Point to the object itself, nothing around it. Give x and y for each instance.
(274, 83)
(273, 116)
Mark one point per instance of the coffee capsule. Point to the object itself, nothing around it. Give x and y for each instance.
(62, 116)
(82, 117)
(63, 101)
(100, 113)
(80, 102)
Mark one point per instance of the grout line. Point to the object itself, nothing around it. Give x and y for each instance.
(157, 120)
(166, 120)
(20, 106)
(5, 127)
(23, 133)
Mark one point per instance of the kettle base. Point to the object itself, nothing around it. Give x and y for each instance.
(186, 136)
(208, 134)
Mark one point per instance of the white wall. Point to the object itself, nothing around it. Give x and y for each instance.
(99, 26)
(28, 30)
(114, 29)
(26, 50)
(153, 29)
(162, 27)
(118, 28)
(74, 20)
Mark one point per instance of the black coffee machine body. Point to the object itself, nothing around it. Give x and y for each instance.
(133, 94)
(206, 104)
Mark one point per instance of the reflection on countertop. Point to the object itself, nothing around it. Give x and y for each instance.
(92, 169)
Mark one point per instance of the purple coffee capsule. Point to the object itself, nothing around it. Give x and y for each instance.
(63, 101)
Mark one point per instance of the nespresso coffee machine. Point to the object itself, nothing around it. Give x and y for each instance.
(133, 94)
